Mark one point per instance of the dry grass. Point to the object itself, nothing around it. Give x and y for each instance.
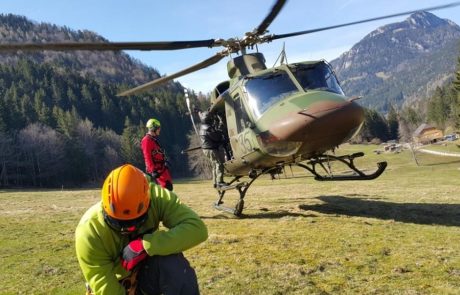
(399, 234)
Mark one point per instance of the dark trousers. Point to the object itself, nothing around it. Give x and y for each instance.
(168, 275)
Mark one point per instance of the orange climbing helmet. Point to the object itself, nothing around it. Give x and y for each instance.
(125, 195)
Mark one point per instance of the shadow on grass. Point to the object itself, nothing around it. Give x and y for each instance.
(436, 214)
(276, 215)
(219, 216)
(264, 215)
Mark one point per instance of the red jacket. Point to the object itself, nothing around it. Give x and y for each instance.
(155, 159)
(153, 154)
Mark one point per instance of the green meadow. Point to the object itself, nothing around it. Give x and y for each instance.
(398, 234)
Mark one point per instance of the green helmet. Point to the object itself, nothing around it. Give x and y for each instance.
(153, 124)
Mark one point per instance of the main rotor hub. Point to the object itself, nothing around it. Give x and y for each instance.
(246, 64)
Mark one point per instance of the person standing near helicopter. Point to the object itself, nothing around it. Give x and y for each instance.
(154, 156)
(212, 140)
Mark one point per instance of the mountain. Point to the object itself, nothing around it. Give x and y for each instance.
(107, 67)
(400, 63)
(60, 110)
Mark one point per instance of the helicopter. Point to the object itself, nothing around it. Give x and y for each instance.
(288, 115)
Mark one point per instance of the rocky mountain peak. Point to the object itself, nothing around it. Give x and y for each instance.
(422, 20)
(425, 19)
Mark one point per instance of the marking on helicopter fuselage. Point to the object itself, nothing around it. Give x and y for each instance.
(245, 143)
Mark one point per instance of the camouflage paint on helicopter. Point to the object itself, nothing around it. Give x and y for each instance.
(284, 115)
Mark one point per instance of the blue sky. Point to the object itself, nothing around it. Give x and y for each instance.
(169, 20)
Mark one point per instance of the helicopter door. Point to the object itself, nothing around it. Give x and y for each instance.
(238, 125)
(242, 119)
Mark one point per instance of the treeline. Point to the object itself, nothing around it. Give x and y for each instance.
(59, 128)
(442, 110)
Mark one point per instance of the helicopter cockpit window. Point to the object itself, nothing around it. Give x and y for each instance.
(264, 91)
(317, 76)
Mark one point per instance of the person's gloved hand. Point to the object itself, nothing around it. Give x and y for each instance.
(133, 253)
(155, 174)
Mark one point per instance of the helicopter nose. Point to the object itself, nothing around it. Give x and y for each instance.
(330, 122)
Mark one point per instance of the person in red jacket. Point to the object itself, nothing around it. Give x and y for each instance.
(154, 155)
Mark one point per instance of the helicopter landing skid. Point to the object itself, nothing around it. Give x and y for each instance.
(347, 160)
(230, 186)
(242, 188)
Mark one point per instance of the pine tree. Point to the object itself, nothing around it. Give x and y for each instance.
(41, 109)
(7, 153)
(131, 144)
(374, 128)
(456, 96)
(439, 108)
(393, 124)
(456, 82)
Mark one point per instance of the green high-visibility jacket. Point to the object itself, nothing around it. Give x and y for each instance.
(99, 247)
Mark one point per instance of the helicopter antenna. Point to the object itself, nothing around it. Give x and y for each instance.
(187, 100)
(282, 57)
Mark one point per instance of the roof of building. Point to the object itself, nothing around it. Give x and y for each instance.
(422, 127)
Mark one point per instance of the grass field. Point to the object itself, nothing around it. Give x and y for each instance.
(398, 234)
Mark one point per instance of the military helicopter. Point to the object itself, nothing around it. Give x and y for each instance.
(292, 114)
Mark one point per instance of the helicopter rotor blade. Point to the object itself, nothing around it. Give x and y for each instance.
(270, 17)
(280, 36)
(106, 46)
(206, 63)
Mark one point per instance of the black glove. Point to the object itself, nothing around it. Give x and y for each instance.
(155, 174)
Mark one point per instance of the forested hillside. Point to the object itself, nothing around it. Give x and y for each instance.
(441, 109)
(114, 67)
(61, 122)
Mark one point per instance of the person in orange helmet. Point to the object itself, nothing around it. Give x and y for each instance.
(119, 244)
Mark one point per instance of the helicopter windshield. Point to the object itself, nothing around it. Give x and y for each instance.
(264, 91)
(317, 76)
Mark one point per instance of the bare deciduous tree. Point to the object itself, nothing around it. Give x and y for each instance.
(43, 152)
(197, 161)
(87, 137)
(110, 143)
